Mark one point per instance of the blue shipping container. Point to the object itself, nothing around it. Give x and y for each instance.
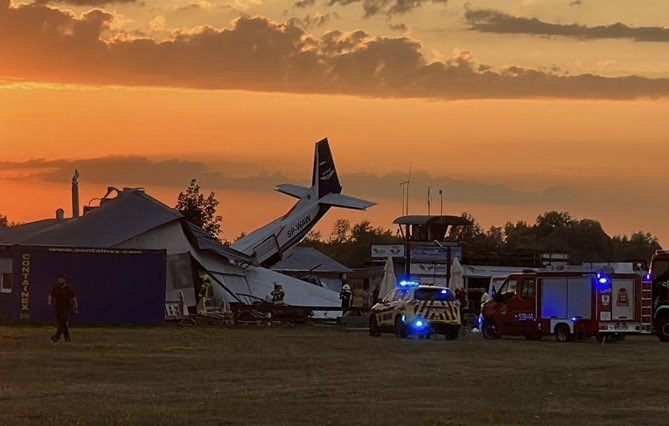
(113, 286)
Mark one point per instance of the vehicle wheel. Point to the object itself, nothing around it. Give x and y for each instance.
(533, 337)
(374, 329)
(490, 330)
(562, 333)
(400, 328)
(662, 328)
(452, 332)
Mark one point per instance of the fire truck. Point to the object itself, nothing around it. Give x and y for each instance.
(657, 283)
(567, 304)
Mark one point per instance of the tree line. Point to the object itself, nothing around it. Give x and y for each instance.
(583, 240)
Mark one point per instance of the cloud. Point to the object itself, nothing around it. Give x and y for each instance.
(576, 3)
(51, 45)
(399, 27)
(84, 2)
(493, 21)
(312, 21)
(386, 7)
(137, 171)
(305, 3)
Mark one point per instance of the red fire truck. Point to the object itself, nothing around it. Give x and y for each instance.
(657, 280)
(535, 304)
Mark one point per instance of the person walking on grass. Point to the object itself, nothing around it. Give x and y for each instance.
(64, 301)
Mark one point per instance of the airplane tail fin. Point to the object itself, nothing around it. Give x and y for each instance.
(325, 184)
(324, 178)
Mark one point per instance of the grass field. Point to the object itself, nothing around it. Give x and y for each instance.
(313, 376)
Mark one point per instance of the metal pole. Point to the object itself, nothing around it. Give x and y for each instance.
(441, 202)
(448, 266)
(407, 253)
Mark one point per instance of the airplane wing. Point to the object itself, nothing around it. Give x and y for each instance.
(341, 200)
(296, 191)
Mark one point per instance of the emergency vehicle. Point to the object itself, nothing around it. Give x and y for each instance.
(416, 309)
(656, 283)
(535, 304)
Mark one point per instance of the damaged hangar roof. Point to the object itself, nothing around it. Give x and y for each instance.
(131, 213)
(308, 259)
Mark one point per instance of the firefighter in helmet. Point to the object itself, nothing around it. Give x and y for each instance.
(346, 296)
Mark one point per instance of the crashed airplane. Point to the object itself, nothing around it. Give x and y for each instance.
(132, 219)
(267, 244)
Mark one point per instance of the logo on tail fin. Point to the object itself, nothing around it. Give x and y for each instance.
(325, 174)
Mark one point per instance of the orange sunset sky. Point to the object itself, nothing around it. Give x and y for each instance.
(512, 107)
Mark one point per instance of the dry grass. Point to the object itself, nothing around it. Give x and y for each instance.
(313, 376)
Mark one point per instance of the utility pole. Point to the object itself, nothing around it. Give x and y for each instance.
(408, 184)
(441, 202)
(429, 199)
(405, 196)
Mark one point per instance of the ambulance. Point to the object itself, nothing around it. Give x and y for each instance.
(565, 304)
(415, 309)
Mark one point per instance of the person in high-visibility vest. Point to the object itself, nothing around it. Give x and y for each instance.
(277, 294)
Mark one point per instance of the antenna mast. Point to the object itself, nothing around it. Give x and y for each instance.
(405, 194)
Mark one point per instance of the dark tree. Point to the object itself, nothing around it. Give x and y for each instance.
(199, 210)
(4, 222)
(551, 221)
(639, 246)
(350, 244)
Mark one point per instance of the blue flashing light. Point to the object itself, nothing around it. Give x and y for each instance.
(419, 325)
(404, 318)
(444, 291)
(408, 283)
(603, 280)
(648, 277)
(574, 319)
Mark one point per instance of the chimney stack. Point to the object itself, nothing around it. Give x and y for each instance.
(75, 194)
(60, 215)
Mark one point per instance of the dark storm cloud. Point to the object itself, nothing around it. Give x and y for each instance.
(47, 44)
(493, 21)
(139, 171)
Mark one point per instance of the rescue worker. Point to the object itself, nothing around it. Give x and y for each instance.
(204, 294)
(485, 298)
(63, 299)
(346, 296)
(375, 294)
(277, 294)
